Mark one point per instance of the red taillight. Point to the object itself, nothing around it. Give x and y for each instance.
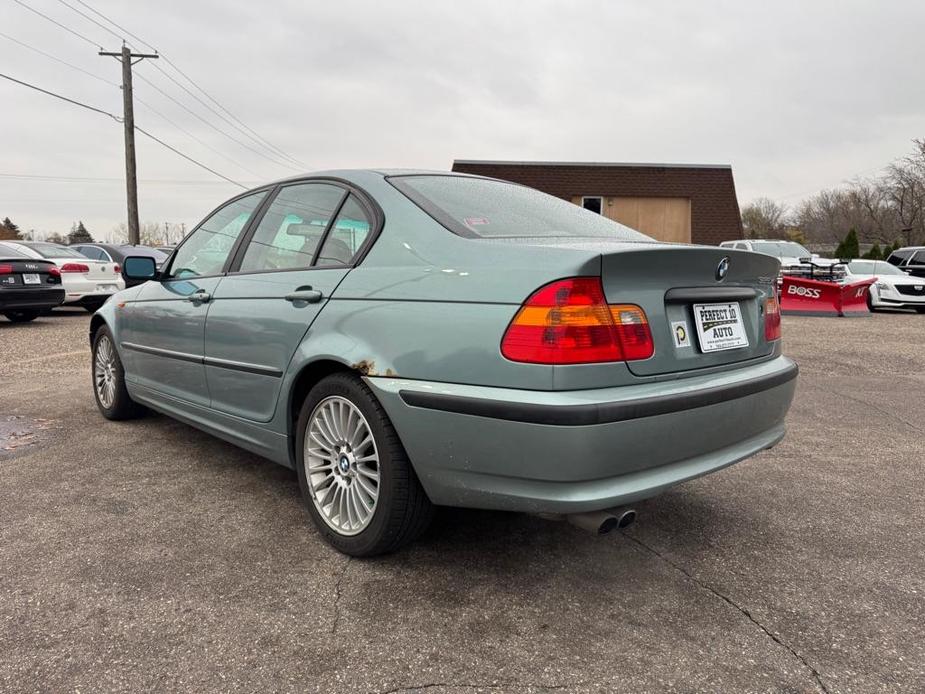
(6, 269)
(54, 271)
(75, 267)
(771, 319)
(116, 269)
(570, 322)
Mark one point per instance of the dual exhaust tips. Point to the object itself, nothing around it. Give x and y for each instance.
(598, 522)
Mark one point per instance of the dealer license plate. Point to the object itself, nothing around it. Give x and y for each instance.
(31, 278)
(720, 327)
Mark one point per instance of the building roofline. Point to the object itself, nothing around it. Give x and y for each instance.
(599, 164)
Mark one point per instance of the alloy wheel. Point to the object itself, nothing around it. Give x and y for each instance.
(104, 372)
(341, 465)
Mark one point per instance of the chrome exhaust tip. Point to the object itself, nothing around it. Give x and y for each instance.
(603, 522)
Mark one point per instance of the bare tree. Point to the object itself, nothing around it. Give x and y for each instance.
(764, 218)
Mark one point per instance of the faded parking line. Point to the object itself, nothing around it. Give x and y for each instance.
(52, 356)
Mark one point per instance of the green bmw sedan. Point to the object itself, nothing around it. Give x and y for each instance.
(407, 339)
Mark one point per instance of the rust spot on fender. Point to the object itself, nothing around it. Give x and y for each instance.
(367, 367)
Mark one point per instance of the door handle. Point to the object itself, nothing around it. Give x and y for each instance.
(304, 295)
(200, 297)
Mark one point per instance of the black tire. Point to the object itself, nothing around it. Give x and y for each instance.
(122, 406)
(93, 307)
(23, 316)
(402, 511)
(870, 303)
(920, 309)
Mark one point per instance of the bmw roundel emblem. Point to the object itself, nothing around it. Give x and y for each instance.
(722, 269)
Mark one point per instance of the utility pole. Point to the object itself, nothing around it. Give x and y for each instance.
(127, 58)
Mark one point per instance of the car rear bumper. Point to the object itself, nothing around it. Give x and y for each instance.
(573, 451)
(31, 299)
(80, 291)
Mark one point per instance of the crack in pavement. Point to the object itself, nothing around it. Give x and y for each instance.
(340, 578)
(506, 686)
(878, 408)
(748, 615)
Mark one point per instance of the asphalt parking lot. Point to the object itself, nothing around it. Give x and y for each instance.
(148, 556)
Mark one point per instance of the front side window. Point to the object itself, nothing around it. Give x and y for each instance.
(205, 250)
(486, 208)
(350, 230)
(292, 228)
(918, 258)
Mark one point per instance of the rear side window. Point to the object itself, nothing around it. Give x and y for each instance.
(293, 226)
(350, 230)
(485, 208)
(918, 258)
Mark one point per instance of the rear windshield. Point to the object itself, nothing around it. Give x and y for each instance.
(484, 208)
(871, 267)
(7, 251)
(158, 255)
(786, 249)
(53, 250)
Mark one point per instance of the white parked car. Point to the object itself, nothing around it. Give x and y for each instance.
(893, 288)
(86, 282)
(790, 253)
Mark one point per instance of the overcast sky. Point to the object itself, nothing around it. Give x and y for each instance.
(796, 96)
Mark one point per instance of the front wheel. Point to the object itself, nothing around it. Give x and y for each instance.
(21, 316)
(355, 476)
(112, 398)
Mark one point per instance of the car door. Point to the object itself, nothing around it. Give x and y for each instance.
(284, 274)
(163, 330)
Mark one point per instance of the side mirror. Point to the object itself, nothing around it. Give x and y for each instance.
(139, 267)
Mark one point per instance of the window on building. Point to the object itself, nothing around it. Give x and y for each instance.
(593, 204)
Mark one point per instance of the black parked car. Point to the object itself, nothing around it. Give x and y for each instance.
(910, 259)
(28, 286)
(116, 253)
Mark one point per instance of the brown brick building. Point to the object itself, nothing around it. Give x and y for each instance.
(671, 202)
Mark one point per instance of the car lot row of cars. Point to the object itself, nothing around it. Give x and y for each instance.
(898, 281)
(37, 276)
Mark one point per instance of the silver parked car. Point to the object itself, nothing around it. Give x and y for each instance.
(408, 339)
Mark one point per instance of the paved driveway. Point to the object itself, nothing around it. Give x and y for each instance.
(147, 556)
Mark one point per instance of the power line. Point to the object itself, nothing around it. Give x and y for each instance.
(58, 60)
(57, 23)
(194, 137)
(119, 120)
(90, 19)
(40, 178)
(139, 100)
(220, 115)
(63, 98)
(207, 122)
(176, 151)
(256, 136)
(120, 28)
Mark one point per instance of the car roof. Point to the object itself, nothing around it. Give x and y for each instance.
(355, 175)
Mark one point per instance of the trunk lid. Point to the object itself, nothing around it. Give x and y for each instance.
(27, 274)
(673, 283)
(100, 271)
